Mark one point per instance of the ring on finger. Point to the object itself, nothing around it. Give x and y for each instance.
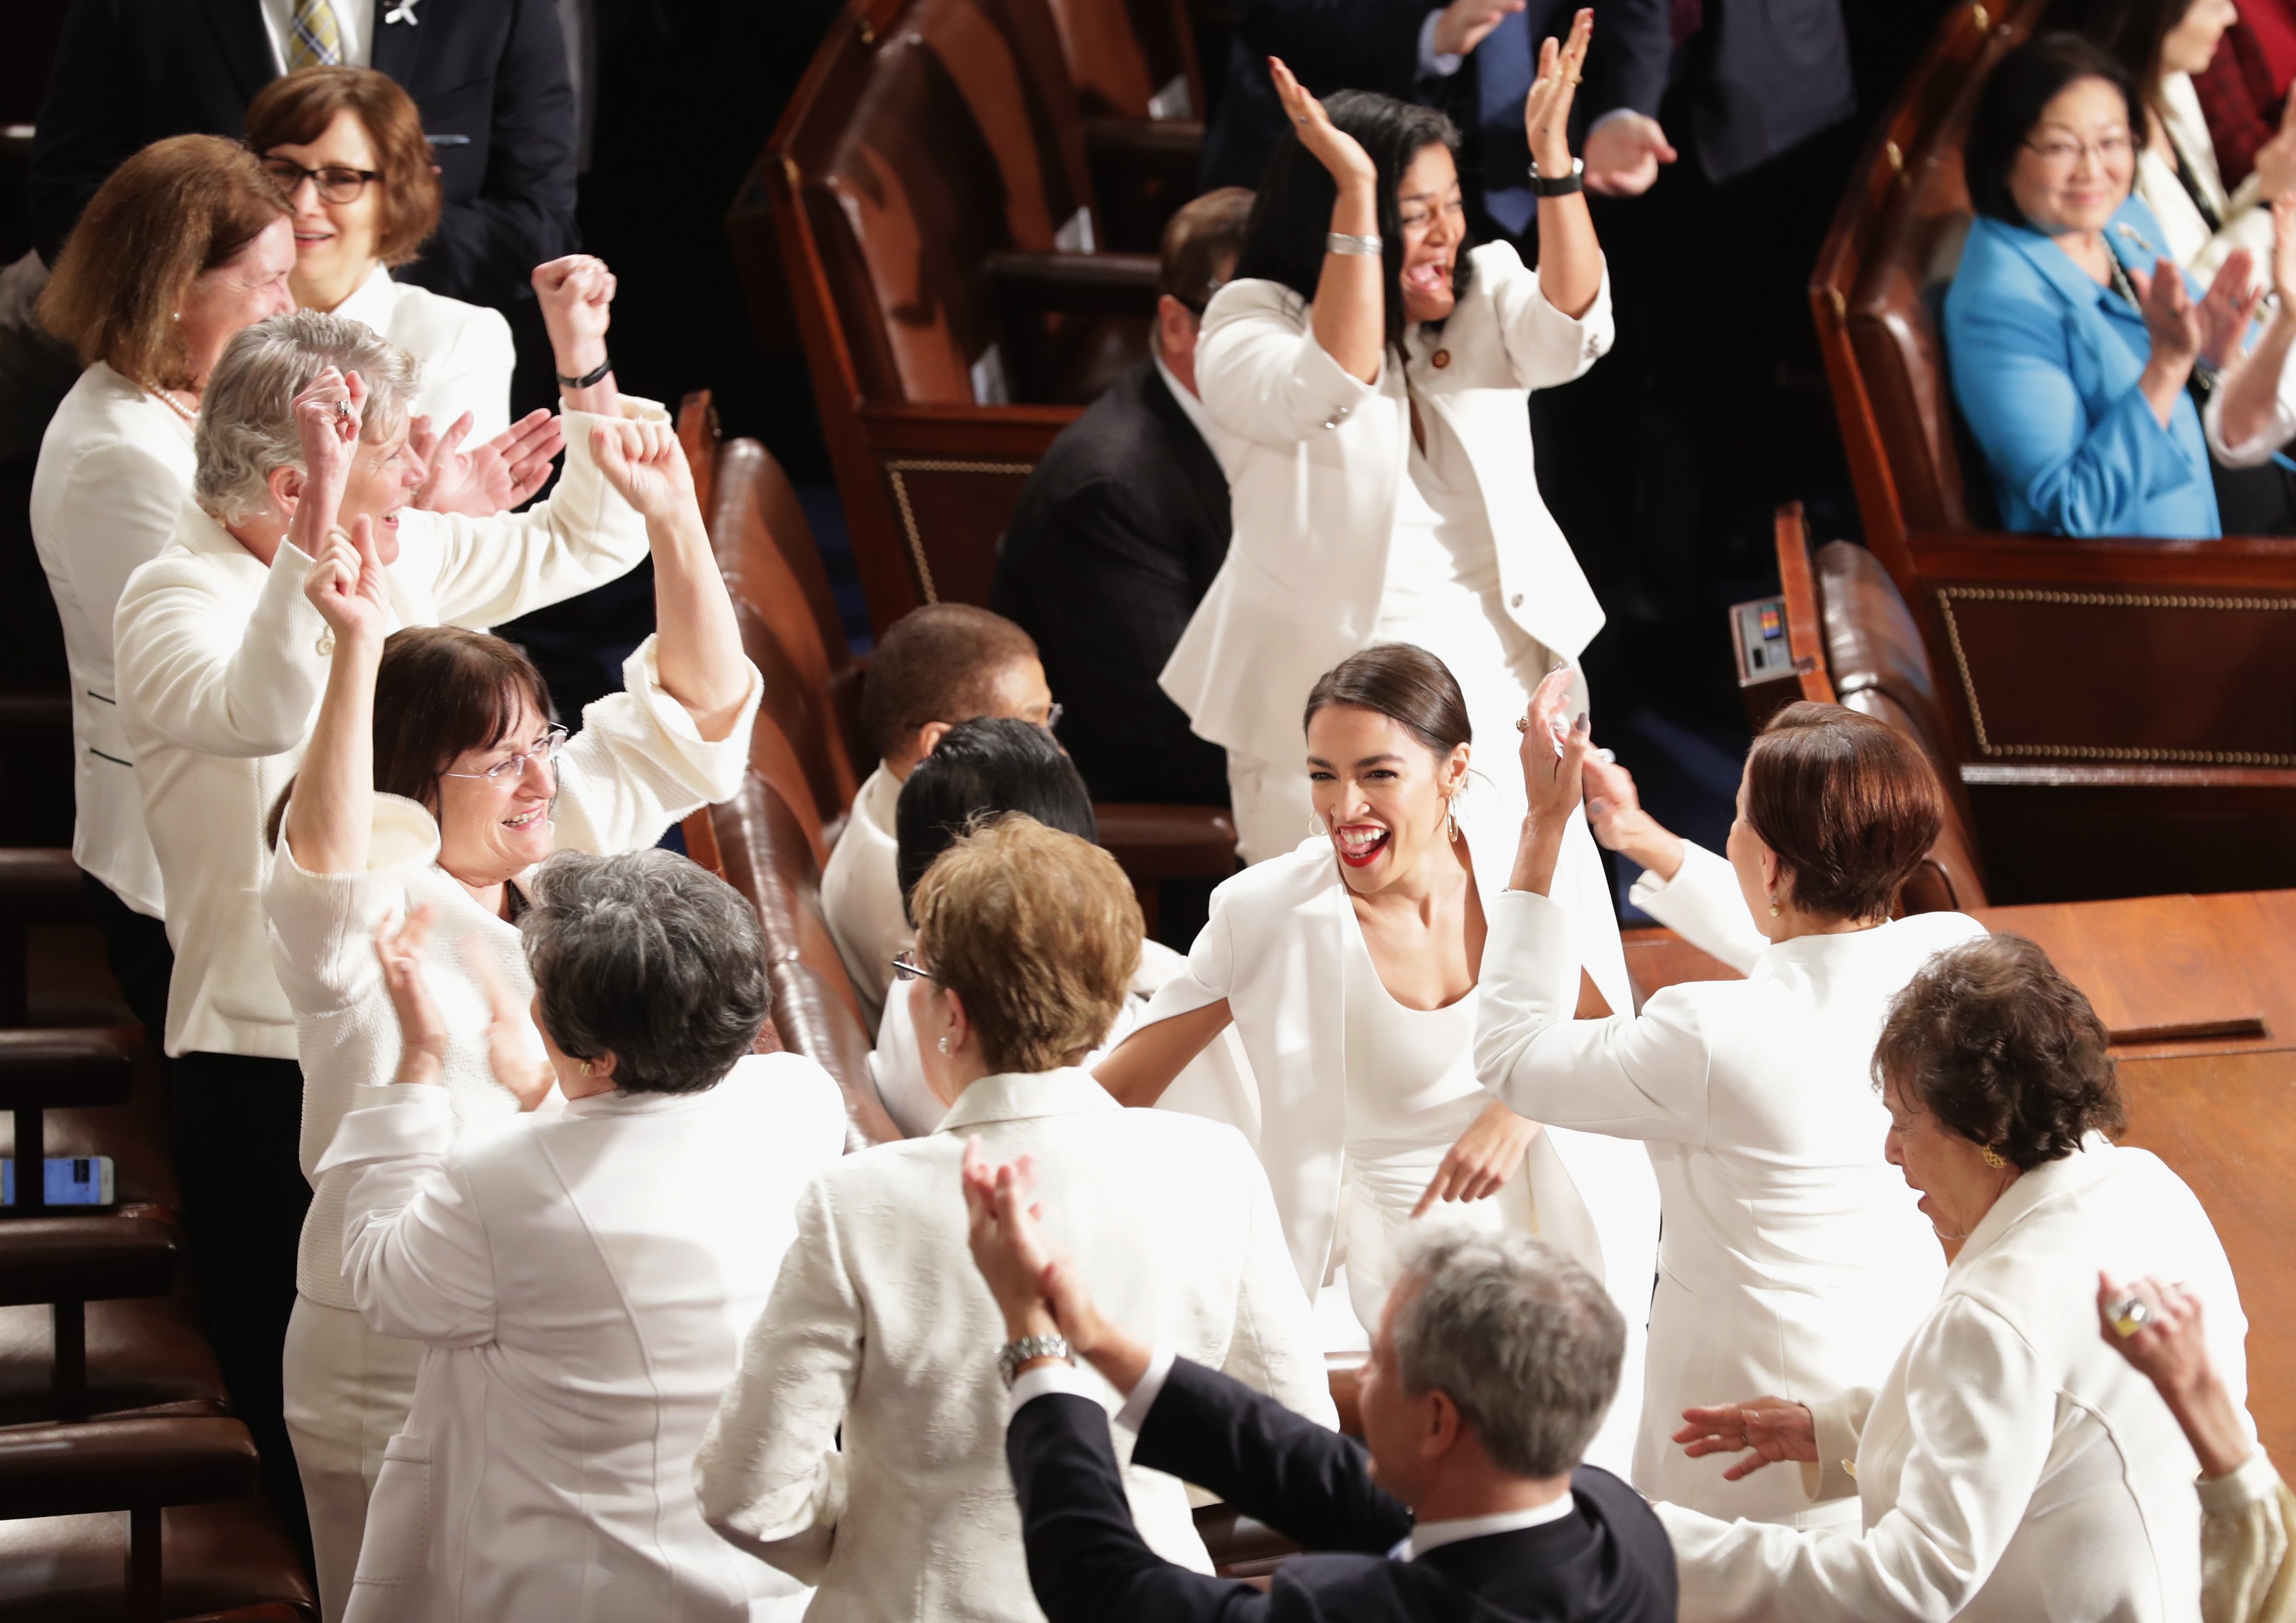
(2129, 1314)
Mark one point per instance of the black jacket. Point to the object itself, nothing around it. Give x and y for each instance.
(1114, 540)
(1608, 1561)
(490, 76)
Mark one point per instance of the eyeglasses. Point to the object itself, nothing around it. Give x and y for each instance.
(2063, 152)
(1053, 716)
(337, 184)
(544, 749)
(906, 968)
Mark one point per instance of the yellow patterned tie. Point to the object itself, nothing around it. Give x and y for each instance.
(313, 41)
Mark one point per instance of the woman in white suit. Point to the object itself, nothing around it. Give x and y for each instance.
(583, 1279)
(1349, 969)
(862, 1448)
(1375, 373)
(1793, 1259)
(2010, 1466)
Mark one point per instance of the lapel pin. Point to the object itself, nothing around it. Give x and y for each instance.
(404, 11)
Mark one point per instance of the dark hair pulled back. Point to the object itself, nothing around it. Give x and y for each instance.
(1404, 683)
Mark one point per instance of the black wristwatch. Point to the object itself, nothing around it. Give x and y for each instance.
(607, 365)
(1560, 185)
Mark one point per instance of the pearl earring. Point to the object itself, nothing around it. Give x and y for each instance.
(177, 315)
(1315, 828)
(1774, 907)
(944, 1044)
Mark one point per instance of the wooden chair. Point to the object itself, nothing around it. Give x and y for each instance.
(1141, 88)
(2122, 712)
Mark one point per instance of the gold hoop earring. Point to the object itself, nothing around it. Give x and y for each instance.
(944, 1044)
(1315, 828)
(1993, 1158)
(1451, 818)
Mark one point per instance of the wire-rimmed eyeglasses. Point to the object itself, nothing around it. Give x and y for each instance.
(544, 749)
(905, 967)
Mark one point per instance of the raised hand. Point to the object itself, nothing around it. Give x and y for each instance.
(493, 476)
(423, 1034)
(1464, 24)
(2228, 307)
(2171, 318)
(1546, 110)
(1623, 154)
(510, 1037)
(329, 416)
(1774, 1428)
(2283, 258)
(576, 293)
(646, 466)
(2275, 160)
(346, 585)
(1554, 750)
(1332, 147)
(1614, 812)
(1488, 1153)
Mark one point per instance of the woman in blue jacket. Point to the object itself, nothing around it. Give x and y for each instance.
(2074, 343)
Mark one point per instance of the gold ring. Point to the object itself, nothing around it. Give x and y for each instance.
(1576, 77)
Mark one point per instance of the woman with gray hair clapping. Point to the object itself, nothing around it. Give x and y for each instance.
(582, 1282)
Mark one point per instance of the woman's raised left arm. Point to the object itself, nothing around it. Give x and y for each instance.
(1569, 259)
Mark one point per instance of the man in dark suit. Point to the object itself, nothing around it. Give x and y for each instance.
(1495, 1361)
(490, 76)
(1117, 533)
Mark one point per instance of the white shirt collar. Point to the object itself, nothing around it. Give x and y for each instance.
(371, 301)
(1186, 397)
(1433, 1535)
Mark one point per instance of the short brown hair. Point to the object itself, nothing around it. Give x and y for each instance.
(1993, 1040)
(1200, 246)
(1037, 931)
(296, 110)
(1849, 803)
(1404, 683)
(440, 691)
(177, 209)
(938, 663)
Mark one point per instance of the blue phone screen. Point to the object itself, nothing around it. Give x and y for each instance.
(73, 1180)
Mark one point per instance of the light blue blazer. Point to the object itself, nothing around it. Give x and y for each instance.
(2045, 365)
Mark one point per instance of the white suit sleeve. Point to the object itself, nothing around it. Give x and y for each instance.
(1981, 1410)
(639, 763)
(1275, 1349)
(1704, 905)
(1546, 346)
(495, 569)
(2276, 432)
(1263, 376)
(1211, 971)
(768, 1476)
(209, 681)
(414, 1246)
(1641, 1076)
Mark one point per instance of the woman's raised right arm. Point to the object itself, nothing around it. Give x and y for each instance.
(330, 811)
(1351, 314)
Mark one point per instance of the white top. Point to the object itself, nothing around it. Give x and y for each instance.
(2012, 1466)
(881, 1328)
(220, 673)
(1410, 1072)
(1442, 532)
(114, 467)
(354, 28)
(584, 1281)
(861, 892)
(636, 767)
(2192, 242)
(1793, 1261)
(465, 350)
(1317, 472)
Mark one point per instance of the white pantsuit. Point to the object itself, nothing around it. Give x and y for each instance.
(862, 1446)
(1794, 1262)
(1277, 947)
(583, 1281)
(465, 350)
(2011, 1467)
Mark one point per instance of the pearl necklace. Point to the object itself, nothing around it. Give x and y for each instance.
(167, 398)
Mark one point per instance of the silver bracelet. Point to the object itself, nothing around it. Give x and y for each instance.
(1340, 243)
(1013, 1354)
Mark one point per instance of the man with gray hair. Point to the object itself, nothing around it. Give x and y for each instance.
(1496, 1359)
(220, 662)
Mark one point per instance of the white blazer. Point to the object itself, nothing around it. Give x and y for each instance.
(584, 1280)
(114, 466)
(221, 665)
(2012, 1467)
(465, 350)
(1273, 948)
(861, 894)
(1794, 1261)
(882, 1329)
(1321, 463)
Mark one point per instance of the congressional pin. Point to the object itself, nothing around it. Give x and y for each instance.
(404, 11)
(1440, 359)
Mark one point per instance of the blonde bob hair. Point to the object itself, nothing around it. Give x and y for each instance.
(1037, 932)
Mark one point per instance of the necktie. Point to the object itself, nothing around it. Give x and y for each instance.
(313, 41)
(1504, 65)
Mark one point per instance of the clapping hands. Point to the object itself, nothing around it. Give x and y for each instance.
(1332, 147)
(491, 478)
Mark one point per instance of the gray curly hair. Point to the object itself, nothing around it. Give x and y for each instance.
(247, 420)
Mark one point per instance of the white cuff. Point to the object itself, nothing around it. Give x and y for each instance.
(1134, 1414)
(2252, 1484)
(1441, 64)
(1053, 1375)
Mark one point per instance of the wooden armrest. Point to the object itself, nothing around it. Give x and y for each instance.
(1093, 284)
(61, 1068)
(85, 1259)
(40, 885)
(124, 1464)
(1159, 842)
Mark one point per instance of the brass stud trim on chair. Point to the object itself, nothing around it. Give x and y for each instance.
(896, 471)
(2100, 599)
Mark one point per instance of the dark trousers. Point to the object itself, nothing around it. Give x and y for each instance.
(236, 1123)
(135, 946)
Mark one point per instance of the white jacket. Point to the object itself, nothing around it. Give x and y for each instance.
(861, 894)
(584, 1280)
(1315, 483)
(114, 466)
(220, 673)
(1273, 948)
(1793, 1261)
(881, 1328)
(465, 350)
(2012, 1467)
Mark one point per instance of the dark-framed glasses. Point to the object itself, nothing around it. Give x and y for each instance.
(906, 968)
(544, 749)
(337, 184)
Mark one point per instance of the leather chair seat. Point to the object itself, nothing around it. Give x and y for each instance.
(140, 1353)
(216, 1561)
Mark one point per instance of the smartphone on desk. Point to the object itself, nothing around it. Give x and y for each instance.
(73, 1180)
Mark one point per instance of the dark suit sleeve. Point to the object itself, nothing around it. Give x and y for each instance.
(487, 246)
(1339, 44)
(1086, 1560)
(1310, 1485)
(87, 123)
(1631, 56)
